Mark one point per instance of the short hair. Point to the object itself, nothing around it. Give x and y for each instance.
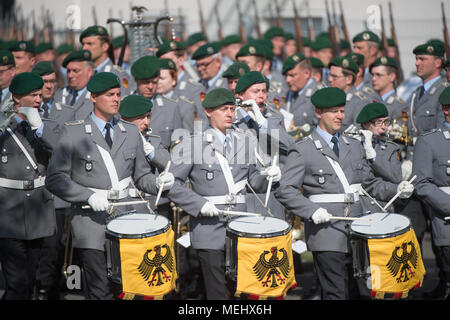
(347, 73)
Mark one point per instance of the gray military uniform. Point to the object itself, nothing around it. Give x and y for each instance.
(165, 118)
(395, 106)
(307, 167)
(300, 105)
(127, 83)
(77, 166)
(432, 167)
(208, 180)
(82, 107)
(356, 101)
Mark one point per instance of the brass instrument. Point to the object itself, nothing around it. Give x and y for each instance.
(299, 132)
(398, 130)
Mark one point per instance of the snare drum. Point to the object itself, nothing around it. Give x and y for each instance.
(259, 259)
(387, 261)
(140, 255)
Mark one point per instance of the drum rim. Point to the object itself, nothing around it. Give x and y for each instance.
(142, 235)
(257, 235)
(384, 235)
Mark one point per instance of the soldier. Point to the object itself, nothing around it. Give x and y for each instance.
(317, 71)
(193, 42)
(321, 49)
(111, 153)
(329, 168)
(96, 40)
(290, 47)
(276, 36)
(360, 85)
(45, 52)
(209, 66)
(432, 167)
(343, 72)
(213, 187)
(297, 72)
(165, 114)
(117, 44)
(234, 72)
(230, 47)
(24, 56)
(367, 43)
(27, 213)
(62, 51)
(7, 73)
(75, 96)
(45, 70)
(253, 55)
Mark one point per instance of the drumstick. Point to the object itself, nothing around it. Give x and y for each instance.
(349, 218)
(160, 186)
(447, 218)
(238, 213)
(398, 194)
(269, 187)
(375, 201)
(119, 204)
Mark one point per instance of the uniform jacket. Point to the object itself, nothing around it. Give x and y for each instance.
(165, 118)
(301, 107)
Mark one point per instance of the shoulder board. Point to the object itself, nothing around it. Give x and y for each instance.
(446, 84)
(368, 90)
(360, 95)
(390, 100)
(400, 100)
(192, 81)
(186, 99)
(430, 132)
(171, 99)
(120, 69)
(74, 123)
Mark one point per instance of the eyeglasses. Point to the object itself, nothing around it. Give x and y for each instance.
(379, 123)
(204, 65)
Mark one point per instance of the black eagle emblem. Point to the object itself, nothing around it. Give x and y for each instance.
(267, 269)
(403, 259)
(154, 267)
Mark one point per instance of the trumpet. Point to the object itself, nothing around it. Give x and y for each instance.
(398, 130)
(299, 132)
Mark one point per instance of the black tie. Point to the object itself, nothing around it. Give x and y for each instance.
(45, 107)
(335, 145)
(421, 91)
(74, 97)
(108, 134)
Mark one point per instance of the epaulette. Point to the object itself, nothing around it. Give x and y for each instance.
(390, 100)
(118, 68)
(400, 100)
(198, 84)
(186, 99)
(171, 99)
(368, 90)
(360, 95)
(74, 122)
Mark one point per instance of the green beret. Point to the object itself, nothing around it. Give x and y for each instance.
(43, 68)
(391, 42)
(292, 61)
(345, 44)
(146, 67)
(206, 50)
(117, 42)
(233, 38)
(93, 31)
(267, 45)
(316, 63)
(218, 97)
(273, 32)
(135, 105)
(328, 98)
(345, 63)
(43, 47)
(253, 49)
(236, 70)
(167, 64)
(366, 36)
(64, 48)
(444, 98)
(79, 55)
(372, 111)
(321, 43)
(27, 46)
(249, 79)
(6, 58)
(289, 36)
(431, 49)
(25, 82)
(194, 38)
(384, 61)
(357, 57)
(306, 42)
(447, 62)
(169, 46)
(103, 81)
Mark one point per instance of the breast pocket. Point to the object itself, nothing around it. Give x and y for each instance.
(358, 172)
(87, 165)
(427, 120)
(321, 175)
(444, 167)
(129, 156)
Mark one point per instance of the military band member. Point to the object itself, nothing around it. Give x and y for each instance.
(95, 163)
(45, 52)
(360, 85)
(96, 40)
(234, 72)
(321, 49)
(253, 55)
(367, 43)
(432, 166)
(218, 182)
(316, 71)
(24, 56)
(7, 73)
(230, 47)
(193, 42)
(290, 47)
(276, 36)
(330, 169)
(27, 212)
(210, 66)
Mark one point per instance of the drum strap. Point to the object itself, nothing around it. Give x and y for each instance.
(233, 188)
(445, 189)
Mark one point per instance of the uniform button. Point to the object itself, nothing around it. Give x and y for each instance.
(28, 194)
(27, 167)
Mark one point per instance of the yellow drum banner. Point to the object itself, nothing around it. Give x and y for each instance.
(396, 265)
(265, 266)
(148, 265)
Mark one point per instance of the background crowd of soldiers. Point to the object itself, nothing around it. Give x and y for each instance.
(178, 74)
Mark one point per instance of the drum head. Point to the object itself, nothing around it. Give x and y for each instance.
(258, 227)
(137, 225)
(382, 225)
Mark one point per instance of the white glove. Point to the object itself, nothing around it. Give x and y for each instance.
(209, 210)
(98, 202)
(370, 151)
(406, 169)
(405, 189)
(165, 181)
(148, 148)
(255, 113)
(273, 172)
(321, 215)
(32, 115)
